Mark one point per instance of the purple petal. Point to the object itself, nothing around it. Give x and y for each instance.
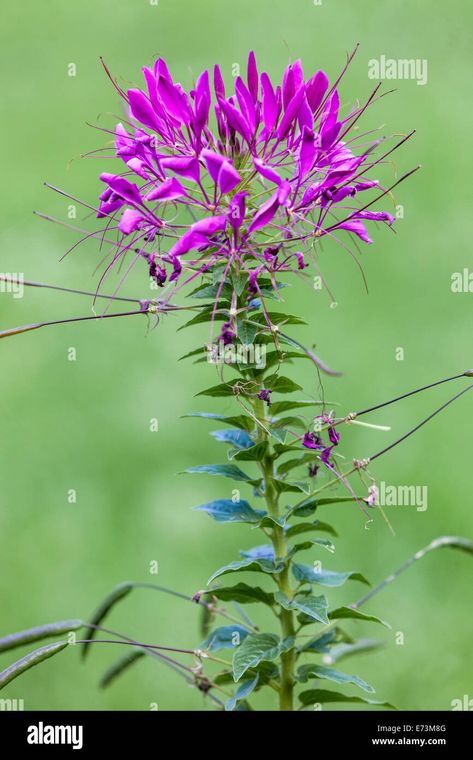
(246, 103)
(316, 88)
(252, 74)
(267, 172)
(198, 234)
(376, 216)
(270, 103)
(358, 228)
(126, 190)
(174, 99)
(189, 168)
(236, 119)
(168, 190)
(130, 221)
(290, 113)
(228, 177)
(219, 85)
(307, 152)
(236, 209)
(142, 110)
(202, 99)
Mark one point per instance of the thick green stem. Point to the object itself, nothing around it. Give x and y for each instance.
(280, 550)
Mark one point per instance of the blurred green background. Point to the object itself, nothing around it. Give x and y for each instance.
(84, 424)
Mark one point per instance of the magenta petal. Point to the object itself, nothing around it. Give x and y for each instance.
(252, 74)
(290, 113)
(236, 209)
(305, 116)
(270, 103)
(307, 152)
(198, 234)
(228, 177)
(267, 172)
(376, 216)
(168, 190)
(246, 103)
(142, 110)
(189, 168)
(316, 88)
(174, 99)
(130, 221)
(124, 143)
(288, 89)
(284, 192)
(213, 162)
(357, 228)
(236, 119)
(123, 188)
(202, 100)
(219, 85)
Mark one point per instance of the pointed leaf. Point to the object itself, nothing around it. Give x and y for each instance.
(226, 470)
(245, 688)
(224, 638)
(321, 696)
(349, 613)
(248, 565)
(307, 574)
(225, 510)
(258, 647)
(243, 594)
(330, 674)
(315, 607)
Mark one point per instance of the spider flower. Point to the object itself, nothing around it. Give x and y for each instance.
(249, 179)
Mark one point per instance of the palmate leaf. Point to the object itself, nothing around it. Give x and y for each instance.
(307, 574)
(224, 638)
(315, 607)
(321, 696)
(258, 647)
(248, 565)
(30, 660)
(243, 594)
(225, 510)
(29, 636)
(305, 672)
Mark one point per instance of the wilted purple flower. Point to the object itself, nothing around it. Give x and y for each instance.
(227, 335)
(312, 441)
(265, 395)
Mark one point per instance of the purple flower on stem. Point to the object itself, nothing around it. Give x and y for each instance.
(265, 395)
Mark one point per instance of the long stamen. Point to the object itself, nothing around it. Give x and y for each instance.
(468, 373)
(33, 284)
(421, 424)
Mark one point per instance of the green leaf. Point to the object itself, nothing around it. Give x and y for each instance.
(30, 660)
(225, 510)
(256, 648)
(321, 696)
(201, 350)
(119, 667)
(211, 291)
(310, 542)
(241, 421)
(237, 438)
(243, 594)
(344, 650)
(245, 688)
(285, 406)
(330, 674)
(281, 384)
(224, 638)
(246, 332)
(314, 607)
(226, 470)
(322, 643)
(348, 613)
(307, 507)
(298, 528)
(248, 565)
(277, 318)
(291, 486)
(255, 453)
(307, 574)
(31, 635)
(290, 464)
(223, 389)
(205, 315)
(118, 593)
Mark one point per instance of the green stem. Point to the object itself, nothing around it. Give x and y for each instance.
(278, 539)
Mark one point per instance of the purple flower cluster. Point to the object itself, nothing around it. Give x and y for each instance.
(250, 179)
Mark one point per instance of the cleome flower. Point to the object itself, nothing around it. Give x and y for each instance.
(248, 180)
